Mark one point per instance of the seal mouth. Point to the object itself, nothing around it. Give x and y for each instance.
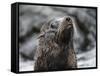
(69, 26)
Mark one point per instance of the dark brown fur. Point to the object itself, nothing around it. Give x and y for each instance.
(55, 50)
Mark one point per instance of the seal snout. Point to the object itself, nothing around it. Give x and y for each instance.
(68, 19)
(68, 22)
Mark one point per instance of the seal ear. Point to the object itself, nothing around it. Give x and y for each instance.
(41, 35)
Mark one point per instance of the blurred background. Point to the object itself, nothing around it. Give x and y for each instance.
(31, 19)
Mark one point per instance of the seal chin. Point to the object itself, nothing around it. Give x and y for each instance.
(67, 35)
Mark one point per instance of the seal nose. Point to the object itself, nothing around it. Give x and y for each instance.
(68, 19)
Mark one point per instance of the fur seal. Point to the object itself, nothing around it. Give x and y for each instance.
(55, 50)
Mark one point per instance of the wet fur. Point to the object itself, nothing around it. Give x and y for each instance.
(55, 50)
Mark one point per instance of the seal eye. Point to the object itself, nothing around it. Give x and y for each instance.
(54, 25)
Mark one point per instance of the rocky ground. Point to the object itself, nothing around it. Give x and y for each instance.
(31, 20)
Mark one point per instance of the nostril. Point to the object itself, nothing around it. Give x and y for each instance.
(67, 19)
